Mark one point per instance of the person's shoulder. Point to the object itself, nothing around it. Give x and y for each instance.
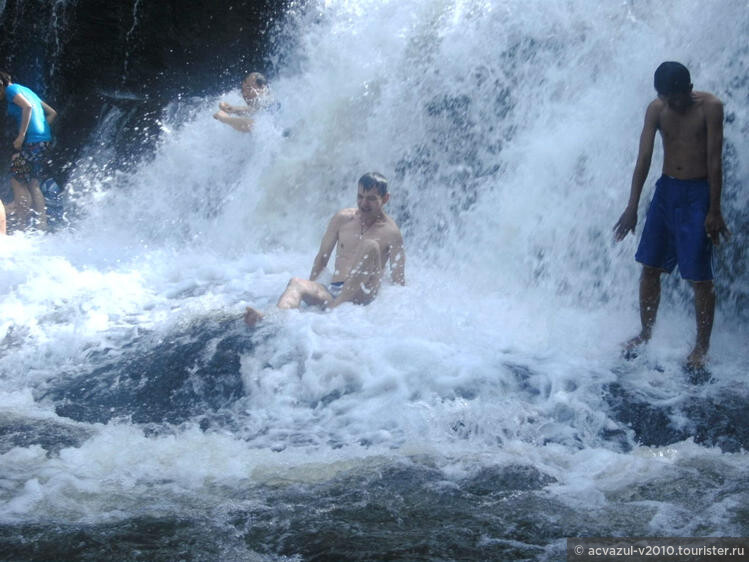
(711, 106)
(708, 100)
(392, 227)
(707, 97)
(344, 215)
(654, 110)
(656, 106)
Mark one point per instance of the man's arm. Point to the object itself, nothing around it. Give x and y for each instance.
(241, 124)
(327, 245)
(25, 106)
(714, 224)
(50, 114)
(236, 109)
(628, 220)
(398, 262)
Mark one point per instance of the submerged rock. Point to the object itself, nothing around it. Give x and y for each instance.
(716, 421)
(50, 434)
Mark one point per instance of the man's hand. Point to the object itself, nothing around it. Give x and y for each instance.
(714, 226)
(223, 106)
(18, 143)
(625, 224)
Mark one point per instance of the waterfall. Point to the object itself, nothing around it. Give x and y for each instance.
(483, 411)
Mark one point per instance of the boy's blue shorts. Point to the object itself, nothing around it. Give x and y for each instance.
(674, 230)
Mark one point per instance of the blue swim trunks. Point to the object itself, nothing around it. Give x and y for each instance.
(335, 289)
(674, 231)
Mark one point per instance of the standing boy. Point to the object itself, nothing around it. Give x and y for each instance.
(684, 220)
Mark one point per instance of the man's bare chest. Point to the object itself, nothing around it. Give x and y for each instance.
(689, 129)
(354, 231)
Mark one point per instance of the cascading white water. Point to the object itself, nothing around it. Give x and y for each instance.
(509, 131)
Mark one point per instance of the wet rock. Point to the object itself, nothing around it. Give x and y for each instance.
(51, 435)
(716, 421)
(186, 374)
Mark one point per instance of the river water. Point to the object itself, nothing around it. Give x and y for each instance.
(480, 412)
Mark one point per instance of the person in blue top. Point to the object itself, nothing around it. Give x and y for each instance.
(31, 145)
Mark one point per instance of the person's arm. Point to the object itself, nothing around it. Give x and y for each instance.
(241, 124)
(235, 109)
(398, 262)
(714, 224)
(327, 245)
(628, 220)
(50, 114)
(25, 106)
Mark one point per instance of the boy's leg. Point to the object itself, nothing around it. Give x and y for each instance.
(38, 204)
(650, 297)
(21, 203)
(704, 305)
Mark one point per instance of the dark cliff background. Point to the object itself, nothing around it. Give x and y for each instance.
(86, 57)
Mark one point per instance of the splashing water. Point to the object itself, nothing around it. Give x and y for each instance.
(485, 399)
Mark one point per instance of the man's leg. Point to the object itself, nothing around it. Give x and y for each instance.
(704, 305)
(22, 203)
(297, 291)
(38, 204)
(363, 283)
(3, 227)
(650, 297)
(360, 287)
(303, 290)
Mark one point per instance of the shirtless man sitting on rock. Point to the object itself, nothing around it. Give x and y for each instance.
(365, 239)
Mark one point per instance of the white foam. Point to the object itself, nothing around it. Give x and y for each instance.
(497, 349)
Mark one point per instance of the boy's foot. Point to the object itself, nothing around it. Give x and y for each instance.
(631, 348)
(696, 366)
(697, 359)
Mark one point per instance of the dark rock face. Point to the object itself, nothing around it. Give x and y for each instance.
(713, 421)
(84, 57)
(195, 372)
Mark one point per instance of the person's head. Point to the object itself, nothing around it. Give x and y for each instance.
(4, 82)
(372, 193)
(253, 86)
(673, 84)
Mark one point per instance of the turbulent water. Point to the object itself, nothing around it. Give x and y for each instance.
(480, 412)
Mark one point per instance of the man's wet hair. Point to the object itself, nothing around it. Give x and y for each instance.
(260, 80)
(4, 78)
(373, 180)
(672, 78)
